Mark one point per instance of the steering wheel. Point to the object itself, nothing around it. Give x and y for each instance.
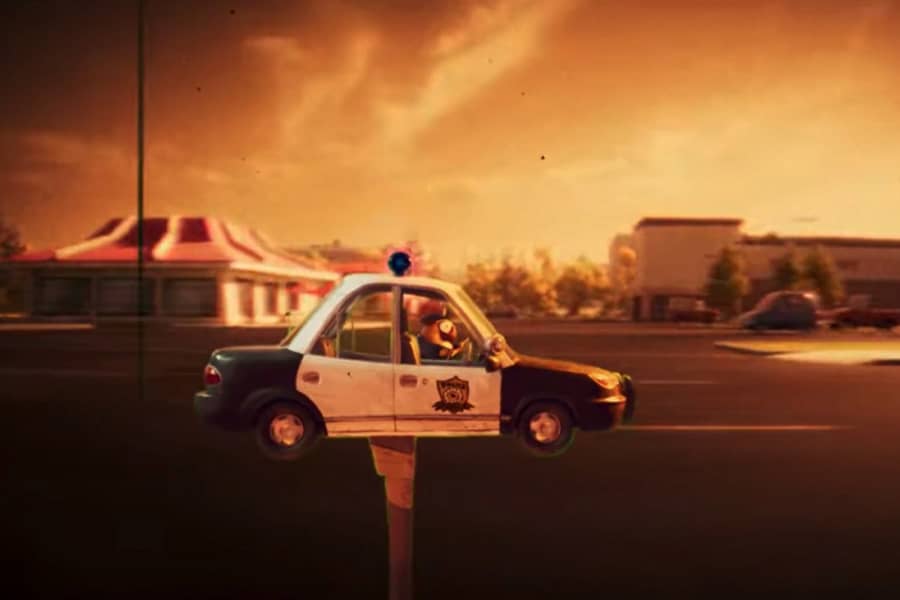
(463, 351)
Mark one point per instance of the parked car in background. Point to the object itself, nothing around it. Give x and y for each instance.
(783, 310)
(690, 311)
(883, 318)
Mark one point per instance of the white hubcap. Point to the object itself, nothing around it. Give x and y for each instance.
(545, 427)
(286, 430)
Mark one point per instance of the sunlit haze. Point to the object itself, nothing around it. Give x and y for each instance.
(476, 127)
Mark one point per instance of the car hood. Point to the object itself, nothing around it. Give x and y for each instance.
(564, 366)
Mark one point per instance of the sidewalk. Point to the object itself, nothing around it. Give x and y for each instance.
(868, 352)
(45, 326)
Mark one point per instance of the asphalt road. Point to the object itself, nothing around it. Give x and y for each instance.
(741, 476)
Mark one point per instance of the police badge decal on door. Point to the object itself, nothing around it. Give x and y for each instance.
(454, 395)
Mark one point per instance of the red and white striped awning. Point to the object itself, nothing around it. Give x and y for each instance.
(180, 240)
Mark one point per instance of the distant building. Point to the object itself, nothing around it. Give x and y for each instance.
(195, 268)
(351, 259)
(869, 268)
(674, 256)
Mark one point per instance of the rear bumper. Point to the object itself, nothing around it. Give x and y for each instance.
(212, 409)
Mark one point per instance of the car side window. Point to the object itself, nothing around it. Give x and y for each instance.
(433, 332)
(362, 330)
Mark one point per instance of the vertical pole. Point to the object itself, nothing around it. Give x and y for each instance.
(140, 198)
(395, 460)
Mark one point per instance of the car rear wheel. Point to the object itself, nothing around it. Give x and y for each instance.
(286, 431)
(546, 428)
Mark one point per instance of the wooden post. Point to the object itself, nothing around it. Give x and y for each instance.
(395, 460)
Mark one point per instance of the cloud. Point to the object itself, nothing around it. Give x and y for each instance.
(58, 149)
(870, 14)
(490, 44)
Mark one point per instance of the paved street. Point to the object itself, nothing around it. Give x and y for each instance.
(741, 475)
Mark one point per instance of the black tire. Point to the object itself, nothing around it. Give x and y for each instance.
(546, 428)
(282, 420)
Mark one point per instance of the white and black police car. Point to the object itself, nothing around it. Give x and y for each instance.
(388, 355)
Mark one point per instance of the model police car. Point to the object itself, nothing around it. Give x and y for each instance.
(387, 354)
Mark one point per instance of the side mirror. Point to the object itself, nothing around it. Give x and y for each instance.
(492, 363)
(496, 344)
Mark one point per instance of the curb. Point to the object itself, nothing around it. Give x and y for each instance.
(37, 327)
(743, 350)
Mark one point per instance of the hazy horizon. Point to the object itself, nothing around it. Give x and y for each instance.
(475, 127)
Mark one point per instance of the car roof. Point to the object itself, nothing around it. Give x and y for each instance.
(356, 280)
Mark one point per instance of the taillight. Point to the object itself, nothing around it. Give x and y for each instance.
(211, 375)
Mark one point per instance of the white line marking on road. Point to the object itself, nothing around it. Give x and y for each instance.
(66, 372)
(734, 427)
(614, 355)
(674, 382)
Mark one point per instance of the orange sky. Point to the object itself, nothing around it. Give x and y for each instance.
(372, 121)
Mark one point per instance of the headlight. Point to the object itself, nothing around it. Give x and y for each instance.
(608, 381)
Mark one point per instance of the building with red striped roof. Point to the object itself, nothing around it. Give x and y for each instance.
(196, 268)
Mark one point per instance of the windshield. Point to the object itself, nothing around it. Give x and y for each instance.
(767, 300)
(474, 312)
(309, 315)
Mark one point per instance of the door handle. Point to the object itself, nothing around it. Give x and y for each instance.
(310, 377)
(409, 380)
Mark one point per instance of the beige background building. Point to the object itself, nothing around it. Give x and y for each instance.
(674, 256)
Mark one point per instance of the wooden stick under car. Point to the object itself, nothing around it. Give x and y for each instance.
(395, 460)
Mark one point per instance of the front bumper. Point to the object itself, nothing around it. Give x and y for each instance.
(627, 387)
(601, 413)
(609, 411)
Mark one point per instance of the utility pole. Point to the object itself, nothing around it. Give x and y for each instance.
(140, 198)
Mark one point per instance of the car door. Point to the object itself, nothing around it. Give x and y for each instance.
(349, 373)
(779, 314)
(442, 396)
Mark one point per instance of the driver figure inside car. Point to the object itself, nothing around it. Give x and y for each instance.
(438, 338)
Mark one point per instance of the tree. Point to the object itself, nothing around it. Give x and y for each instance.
(477, 283)
(511, 284)
(787, 273)
(579, 283)
(820, 273)
(514, 286)
(727, 283)
(10, 240)
(623, 275)
(546, 274)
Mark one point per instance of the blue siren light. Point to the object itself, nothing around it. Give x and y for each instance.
(399, 263)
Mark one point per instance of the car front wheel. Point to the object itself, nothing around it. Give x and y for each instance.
(546, 428)
(286, 431)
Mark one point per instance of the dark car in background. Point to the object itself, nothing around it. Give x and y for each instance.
(690, 311)
(783, 310)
